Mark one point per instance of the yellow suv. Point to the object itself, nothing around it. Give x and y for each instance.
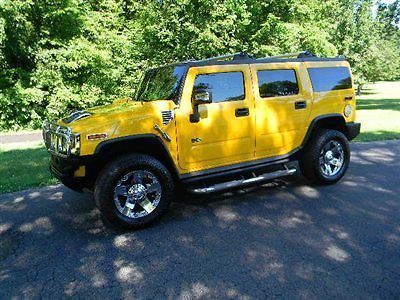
(206, 126)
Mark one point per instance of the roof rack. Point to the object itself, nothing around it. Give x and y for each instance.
(244, 55)
(300, 54)
(234, 56)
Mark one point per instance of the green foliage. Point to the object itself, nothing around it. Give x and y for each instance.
(56, 56)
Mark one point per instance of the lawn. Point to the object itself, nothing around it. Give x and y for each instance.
(378, 110)
(23, 166)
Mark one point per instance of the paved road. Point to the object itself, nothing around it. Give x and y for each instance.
(21, 138)
(284, 240)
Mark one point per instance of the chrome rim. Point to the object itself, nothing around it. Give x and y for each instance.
(331, 158)
(137, 194)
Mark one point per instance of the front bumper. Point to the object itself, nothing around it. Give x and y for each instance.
(353, 129)
(63, 168)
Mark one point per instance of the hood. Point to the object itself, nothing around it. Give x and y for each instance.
(107, 118)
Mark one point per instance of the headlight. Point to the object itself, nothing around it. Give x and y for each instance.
(76, 144)
(348, 110)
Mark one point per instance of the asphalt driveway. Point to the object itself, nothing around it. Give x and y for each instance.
(281, 240)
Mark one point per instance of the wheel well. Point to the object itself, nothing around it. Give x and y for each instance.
(335, 122)
(111, 150)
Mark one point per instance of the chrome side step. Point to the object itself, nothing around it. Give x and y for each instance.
(242, 182)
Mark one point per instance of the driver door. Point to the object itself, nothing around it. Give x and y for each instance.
(224, 133)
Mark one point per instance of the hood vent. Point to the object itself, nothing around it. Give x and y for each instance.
(75, 116)
(167, 116)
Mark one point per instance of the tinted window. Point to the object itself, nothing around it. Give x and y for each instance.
(329, 79)
(223, 86)
(275, 83)
(161, 84)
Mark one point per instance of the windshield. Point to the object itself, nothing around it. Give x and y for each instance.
(161, 84)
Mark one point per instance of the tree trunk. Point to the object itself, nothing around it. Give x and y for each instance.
(359, 88)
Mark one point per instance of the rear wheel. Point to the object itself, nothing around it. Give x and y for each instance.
(326, 157)
(134, 191)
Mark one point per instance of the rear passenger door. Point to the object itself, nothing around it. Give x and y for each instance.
(283, 99)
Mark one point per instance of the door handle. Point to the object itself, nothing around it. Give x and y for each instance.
(242, 112)
(300, 105)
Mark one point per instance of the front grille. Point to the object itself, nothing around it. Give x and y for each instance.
(57, 139)
(167, 116)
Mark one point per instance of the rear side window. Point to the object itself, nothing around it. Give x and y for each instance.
(276, 83)
(330, 79)
(227, 86)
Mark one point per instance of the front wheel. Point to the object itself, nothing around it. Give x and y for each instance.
(326, 157)
(134, 191)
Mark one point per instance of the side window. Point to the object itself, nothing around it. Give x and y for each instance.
(276, 83)
(330, 79)
(227, 86)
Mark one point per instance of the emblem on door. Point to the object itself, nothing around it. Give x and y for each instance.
(196, 140)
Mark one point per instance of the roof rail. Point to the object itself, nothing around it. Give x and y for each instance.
(300, 54)
(243, 55)
(234, 56)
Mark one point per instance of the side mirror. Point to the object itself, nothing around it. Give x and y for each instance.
(200, 96)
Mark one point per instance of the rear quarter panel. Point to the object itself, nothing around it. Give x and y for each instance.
(332, 102)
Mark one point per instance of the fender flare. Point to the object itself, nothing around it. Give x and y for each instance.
(319, 119)
(102, 147)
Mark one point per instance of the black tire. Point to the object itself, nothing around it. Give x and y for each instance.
(114, 172)
(310, 160)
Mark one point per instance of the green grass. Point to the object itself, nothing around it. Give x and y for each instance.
(378, 110)
(23, 166)
(381, 104)
(379, 135)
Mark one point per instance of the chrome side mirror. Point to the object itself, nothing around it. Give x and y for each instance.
(201, 97)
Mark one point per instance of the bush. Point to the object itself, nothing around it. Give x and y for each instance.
(21, 107)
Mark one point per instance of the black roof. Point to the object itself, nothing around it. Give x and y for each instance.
(244, 58)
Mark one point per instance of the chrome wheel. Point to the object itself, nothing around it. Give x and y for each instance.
(137, 194)
(331, 158)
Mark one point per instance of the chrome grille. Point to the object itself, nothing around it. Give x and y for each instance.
(167, 116)
(57, 139)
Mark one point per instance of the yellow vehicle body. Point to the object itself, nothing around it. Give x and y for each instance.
(121, 119)
(273, 127)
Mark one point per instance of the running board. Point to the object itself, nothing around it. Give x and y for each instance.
(243, 182)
